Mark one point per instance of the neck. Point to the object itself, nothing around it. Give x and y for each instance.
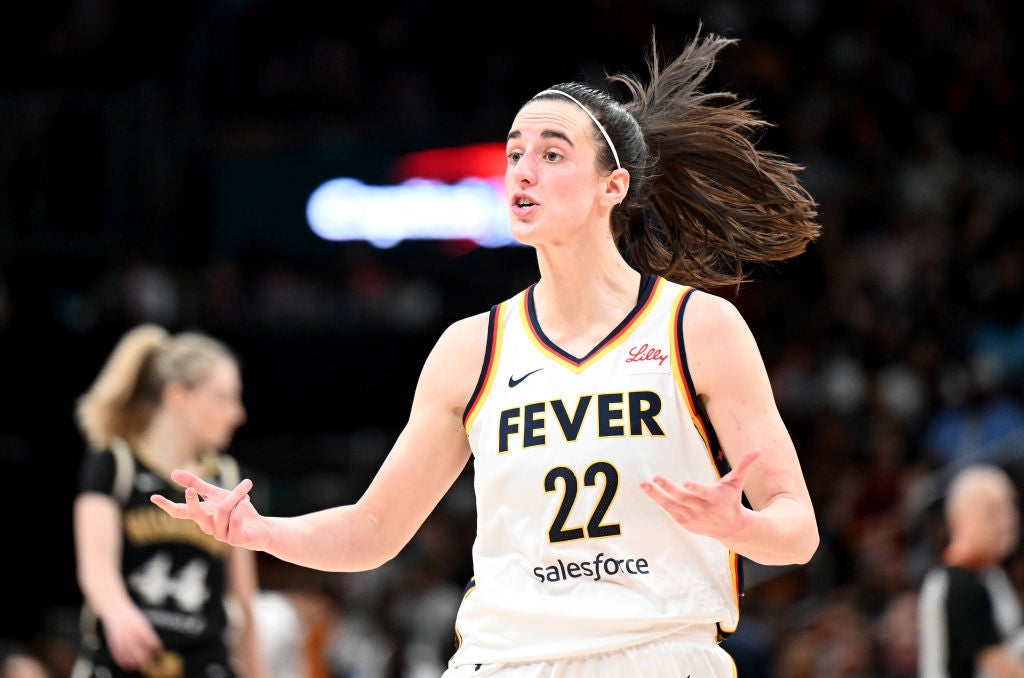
(164, 445)
(958, 554)
(583, 294)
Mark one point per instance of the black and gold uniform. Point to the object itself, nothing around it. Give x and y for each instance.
(173, 572)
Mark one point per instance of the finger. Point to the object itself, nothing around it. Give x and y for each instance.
(174, 509)
(655, 489)
(680, 495)
(739, 471)
(236, 524)
(733, 479)
(205, 489)
(669, 495)
(197, 512)
(713, 493)
(123, 656)
(227, 505)
(144, 654)
(153, 644)
(683, 512)
(133, 655)
(185, 478)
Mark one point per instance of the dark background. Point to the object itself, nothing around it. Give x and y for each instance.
(155, 159)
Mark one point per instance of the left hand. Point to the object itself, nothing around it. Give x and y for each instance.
(714, 510)
(226, 515)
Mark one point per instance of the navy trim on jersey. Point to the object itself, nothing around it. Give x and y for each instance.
(647, 281)
(717, 454)
(485, 368)
(721, 463)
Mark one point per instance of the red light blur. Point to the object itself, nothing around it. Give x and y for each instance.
(450, 165)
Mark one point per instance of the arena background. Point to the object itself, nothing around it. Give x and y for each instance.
(156, 158)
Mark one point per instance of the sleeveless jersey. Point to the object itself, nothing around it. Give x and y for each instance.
(173, 572)
(571, 557)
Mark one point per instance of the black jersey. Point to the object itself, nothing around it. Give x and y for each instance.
(174, 572)
(962, 612)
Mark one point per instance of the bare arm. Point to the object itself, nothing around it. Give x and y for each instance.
(732, 383)
(429, 455)
(97, 528)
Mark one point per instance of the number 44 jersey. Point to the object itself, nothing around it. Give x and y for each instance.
(173, 572)
(571, 557)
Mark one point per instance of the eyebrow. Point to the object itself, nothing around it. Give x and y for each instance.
(545, 134)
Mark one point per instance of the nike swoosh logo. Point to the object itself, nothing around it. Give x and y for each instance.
(513, 382)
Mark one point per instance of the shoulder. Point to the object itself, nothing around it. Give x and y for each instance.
(721, 351)
(97, 462)
(710, 314)
(468, 333)
(462, 344)
(108, 471)
(453, 366)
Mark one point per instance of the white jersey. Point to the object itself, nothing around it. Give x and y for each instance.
(571, 557)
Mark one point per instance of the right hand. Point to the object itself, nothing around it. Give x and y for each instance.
(132, 641)
(226, 515)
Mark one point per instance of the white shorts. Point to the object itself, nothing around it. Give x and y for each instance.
(684, 655)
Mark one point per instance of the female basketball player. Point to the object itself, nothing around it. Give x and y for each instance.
(160, 596)
(626, 445)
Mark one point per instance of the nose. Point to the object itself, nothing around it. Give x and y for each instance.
(523, 172)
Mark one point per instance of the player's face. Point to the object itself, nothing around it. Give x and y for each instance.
(213, 408)
(551, 177)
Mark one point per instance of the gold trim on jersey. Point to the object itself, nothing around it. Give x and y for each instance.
(604, 348)
(685, 383)
(465, 594)
(494, 351)
(682, 380)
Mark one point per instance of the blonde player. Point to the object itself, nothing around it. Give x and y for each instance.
(626, 445)
(160, 597)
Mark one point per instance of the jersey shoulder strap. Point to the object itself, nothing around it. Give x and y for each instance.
(124, 469)
(227, 467)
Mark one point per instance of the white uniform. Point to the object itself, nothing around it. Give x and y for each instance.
(571, 558)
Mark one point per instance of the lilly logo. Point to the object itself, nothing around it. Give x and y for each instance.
(644, 352)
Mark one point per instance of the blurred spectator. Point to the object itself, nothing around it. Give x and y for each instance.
(895, 634)
(836, 642)
(980, 422)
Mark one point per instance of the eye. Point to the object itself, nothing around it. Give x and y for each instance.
(514, 156)
(552, 156)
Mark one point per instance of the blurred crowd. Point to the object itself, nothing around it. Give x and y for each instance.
(895, 345)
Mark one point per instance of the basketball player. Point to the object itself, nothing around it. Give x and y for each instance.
(626, 445)
(161, 599)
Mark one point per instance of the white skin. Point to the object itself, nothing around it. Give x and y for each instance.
(187, 421)
(560, 204)
(23, 666)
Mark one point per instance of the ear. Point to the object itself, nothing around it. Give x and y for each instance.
(174, 394)
(616, 187)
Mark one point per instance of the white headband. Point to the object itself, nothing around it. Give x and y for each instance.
(586, 110)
